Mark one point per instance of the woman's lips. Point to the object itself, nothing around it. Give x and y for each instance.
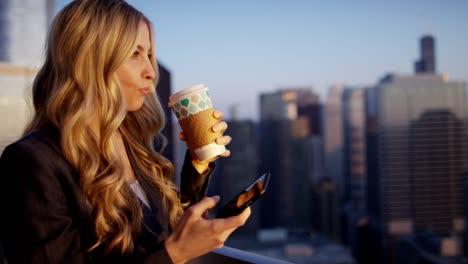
(144, 91)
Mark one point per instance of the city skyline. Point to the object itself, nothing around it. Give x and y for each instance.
(242, 49)
(381, 163)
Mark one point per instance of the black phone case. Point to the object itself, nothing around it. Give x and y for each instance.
(232, 208)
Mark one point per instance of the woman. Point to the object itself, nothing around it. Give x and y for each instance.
(84, 184)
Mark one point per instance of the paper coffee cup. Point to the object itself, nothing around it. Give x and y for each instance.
(194, 111)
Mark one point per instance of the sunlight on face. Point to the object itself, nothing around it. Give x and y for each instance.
(136, 74)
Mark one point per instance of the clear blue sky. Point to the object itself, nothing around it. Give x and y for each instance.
(242, 48)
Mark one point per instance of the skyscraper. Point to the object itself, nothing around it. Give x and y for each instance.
(333, 136)
(309, 106)
(286, 149)
(281, 105)
(416, 173)
(3, 30)
(23, 30)
(354, 208)
(289, 104)
(427, 61)
(355, 173)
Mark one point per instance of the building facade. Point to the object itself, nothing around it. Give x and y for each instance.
(288, 149)
(355, 171)
(23, 30)
(418, 143)
(334, 137)
(354, 206)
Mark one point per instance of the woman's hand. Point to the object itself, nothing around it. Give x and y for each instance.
(196, 235)
(221, 126)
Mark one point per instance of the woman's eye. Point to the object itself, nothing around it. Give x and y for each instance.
(136, 54)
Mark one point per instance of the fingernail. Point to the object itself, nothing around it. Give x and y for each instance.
(215, 198)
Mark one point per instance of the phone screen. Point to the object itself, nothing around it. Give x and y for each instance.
(246, 198)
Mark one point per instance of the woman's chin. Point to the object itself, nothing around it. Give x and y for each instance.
(135, 107)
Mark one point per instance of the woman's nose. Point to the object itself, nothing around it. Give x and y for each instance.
(149, 72)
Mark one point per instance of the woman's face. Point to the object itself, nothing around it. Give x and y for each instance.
(136, 74)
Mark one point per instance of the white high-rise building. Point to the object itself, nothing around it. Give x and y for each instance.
(23, 30)
(333, 136)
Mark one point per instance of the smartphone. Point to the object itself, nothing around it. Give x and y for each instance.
(245, 198)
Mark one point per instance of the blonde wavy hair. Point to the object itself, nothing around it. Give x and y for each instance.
(88, 41)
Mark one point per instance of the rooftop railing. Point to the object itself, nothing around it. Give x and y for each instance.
(228, 255)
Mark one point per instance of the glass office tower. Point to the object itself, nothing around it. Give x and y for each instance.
(417, 156)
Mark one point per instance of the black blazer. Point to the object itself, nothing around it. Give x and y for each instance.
(45, 218)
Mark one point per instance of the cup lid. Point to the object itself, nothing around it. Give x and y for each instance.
(185, 92)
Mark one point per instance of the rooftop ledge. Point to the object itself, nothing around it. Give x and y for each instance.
(228, 255)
